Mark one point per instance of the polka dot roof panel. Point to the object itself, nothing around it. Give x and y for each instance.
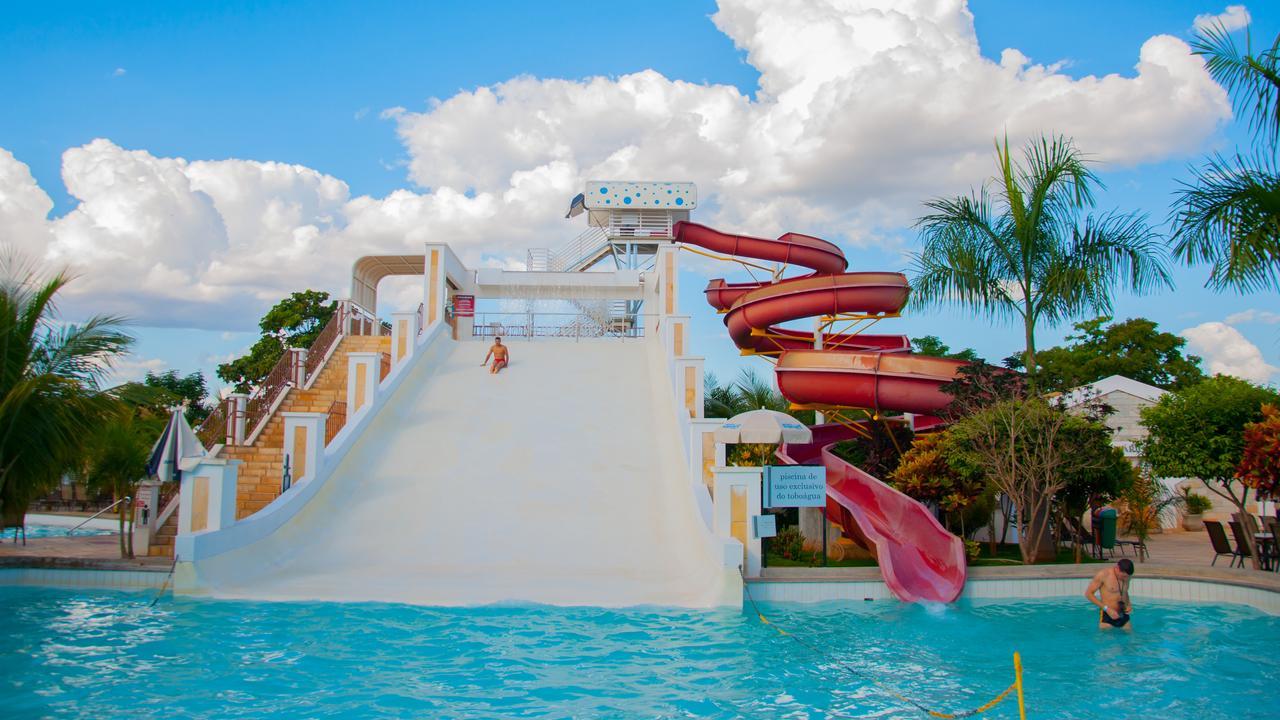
(624, 195)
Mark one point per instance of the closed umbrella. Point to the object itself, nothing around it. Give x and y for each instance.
(763, 426)
(178, 441)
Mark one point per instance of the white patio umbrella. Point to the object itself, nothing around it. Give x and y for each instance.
(178, 441)
(763, 426)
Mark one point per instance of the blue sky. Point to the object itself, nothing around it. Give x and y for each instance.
(316, 84)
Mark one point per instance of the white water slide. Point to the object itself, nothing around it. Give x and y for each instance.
(561, 480)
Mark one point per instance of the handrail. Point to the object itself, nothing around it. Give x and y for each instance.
(562, 325)
(125, 499)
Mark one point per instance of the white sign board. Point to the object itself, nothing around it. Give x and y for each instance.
(795, 486)
(766, 526)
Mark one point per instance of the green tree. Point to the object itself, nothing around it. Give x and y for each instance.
(190, 388)
(1097, 470)
(1024, 247)
(116, 462)
(925, 475)
(1259, 466)
(294, 322)
(1133, 348)
(1199, 432)
(50, 374)
(933, 346)
(1228, 215)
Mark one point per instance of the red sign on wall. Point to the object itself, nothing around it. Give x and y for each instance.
(464, 305)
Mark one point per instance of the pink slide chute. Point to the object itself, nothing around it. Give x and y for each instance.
(918, 558)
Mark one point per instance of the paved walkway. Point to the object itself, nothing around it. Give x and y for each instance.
(100, 552)
(1174, 554)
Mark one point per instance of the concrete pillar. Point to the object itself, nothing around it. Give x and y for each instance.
(237, 414)
(404, 336)
(668, 276)
(364, 370)
(737, 501)
(208, 495)
(675, 335)
(811, 529)
(303, 443)
(146, 508)
(434, 285)
(705, 454)
(298, 367)
(689, 385)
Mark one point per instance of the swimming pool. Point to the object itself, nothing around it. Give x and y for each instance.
(43, 531)
(102, 653)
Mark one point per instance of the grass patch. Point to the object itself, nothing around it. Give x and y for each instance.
(1006, 555)
(1009, 554)
(772, 560)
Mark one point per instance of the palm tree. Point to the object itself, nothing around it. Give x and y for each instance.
(49, 384)
(1025, 247)
(1228, 215)
(116, 461)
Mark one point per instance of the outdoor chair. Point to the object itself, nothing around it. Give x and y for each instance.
(1272, 525)
(1077, 535)
(1221, 545)
(1242, 543)
(1139, 547)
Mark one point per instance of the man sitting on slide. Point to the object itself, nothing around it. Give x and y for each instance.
(499, 354)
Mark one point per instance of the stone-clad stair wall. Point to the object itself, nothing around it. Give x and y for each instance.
(263, 462)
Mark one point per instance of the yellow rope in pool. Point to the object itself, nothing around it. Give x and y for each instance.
(891, 692)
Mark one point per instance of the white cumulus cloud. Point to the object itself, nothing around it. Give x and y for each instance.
(1227, 352)
(1233, 18)
(1253, 315)
(865, 108)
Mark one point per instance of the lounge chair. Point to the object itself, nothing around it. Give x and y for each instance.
(1242, 543)
(1075, 534)
(1221, 545)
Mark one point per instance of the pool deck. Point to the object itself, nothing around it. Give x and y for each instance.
(1175, 555)
(88, 552)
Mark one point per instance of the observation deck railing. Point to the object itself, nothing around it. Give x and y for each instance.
(557, 325)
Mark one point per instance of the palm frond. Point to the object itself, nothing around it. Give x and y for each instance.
(1252, 81)
(1228, 217)
(966, 257)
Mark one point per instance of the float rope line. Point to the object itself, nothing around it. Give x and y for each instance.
(165, 585)
(1015, 685)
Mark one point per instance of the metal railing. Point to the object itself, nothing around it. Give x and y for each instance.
(265, 397)
(217, 427)
(124, 499)
(324, 344)
(649, 224)
(337, 413)
(348, 319)
(586, 246)
(557, 325)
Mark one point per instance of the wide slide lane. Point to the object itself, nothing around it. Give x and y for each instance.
(918, 558)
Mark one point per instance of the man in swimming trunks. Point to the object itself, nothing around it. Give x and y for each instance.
(499, 354)
(1113, 585)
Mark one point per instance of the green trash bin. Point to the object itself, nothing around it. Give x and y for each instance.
(1104, 529)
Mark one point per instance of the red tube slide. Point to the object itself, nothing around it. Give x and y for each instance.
(918, 558)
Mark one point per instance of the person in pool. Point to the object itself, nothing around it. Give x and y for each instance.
(1113, 585)
(499, 354)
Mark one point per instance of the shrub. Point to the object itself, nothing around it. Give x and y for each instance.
(789, 543)
(1195, 504)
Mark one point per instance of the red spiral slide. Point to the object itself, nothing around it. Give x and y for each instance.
(918, 558)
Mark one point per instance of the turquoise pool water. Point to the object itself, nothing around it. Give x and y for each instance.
(74, 653)
(43, 531)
